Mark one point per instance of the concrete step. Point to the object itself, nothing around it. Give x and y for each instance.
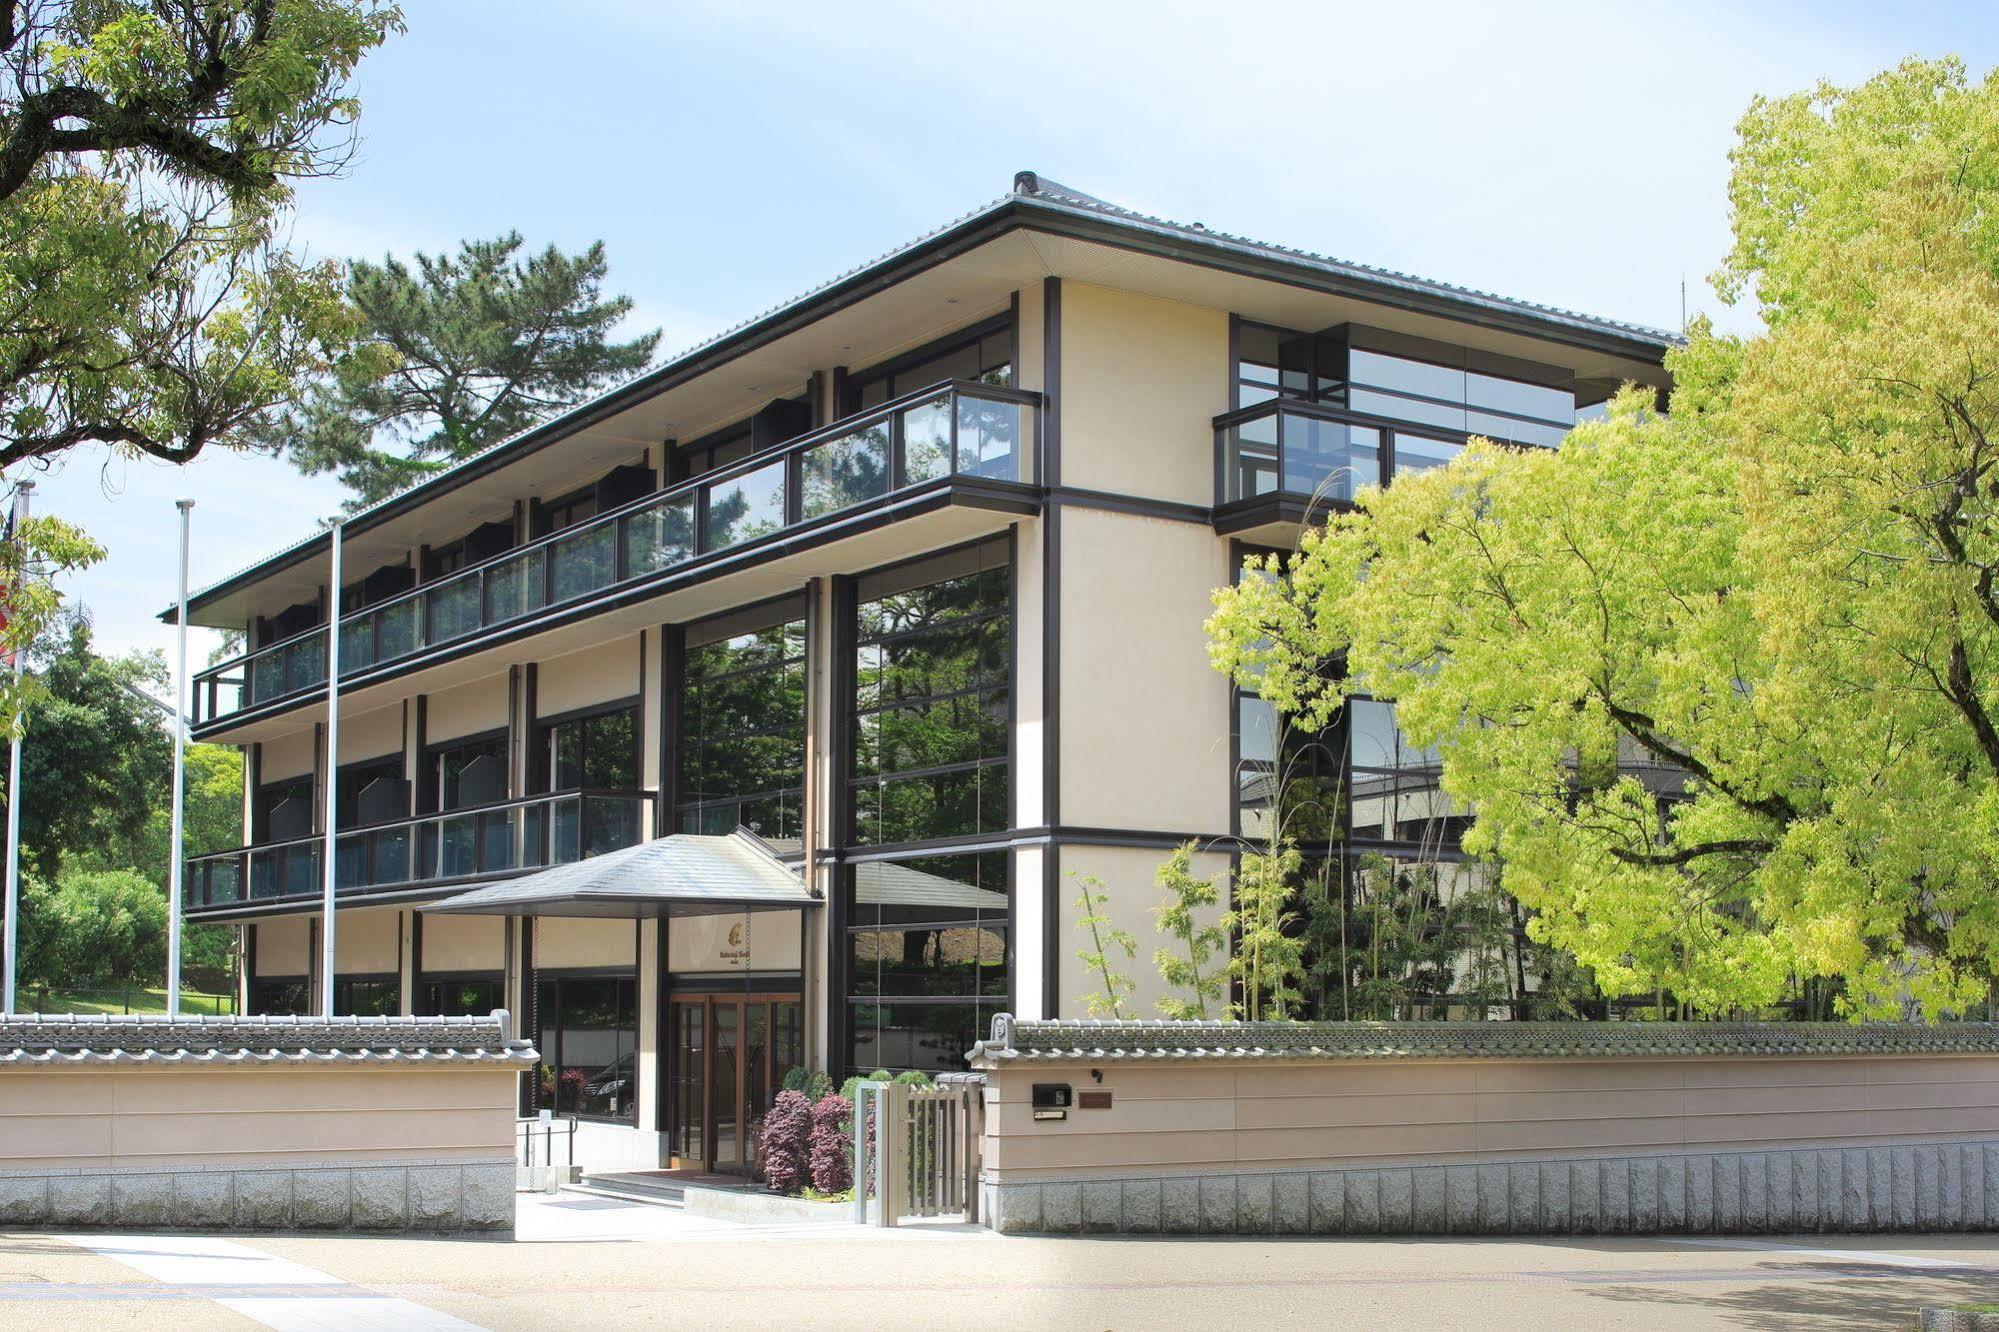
(621, 1187)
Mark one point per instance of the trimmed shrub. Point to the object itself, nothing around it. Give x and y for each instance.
(832, 1144)
(818, 1087)
(794, 1079)
(913, 1078)
(784, 1142)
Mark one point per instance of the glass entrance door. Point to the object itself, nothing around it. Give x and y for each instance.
(730, 1051)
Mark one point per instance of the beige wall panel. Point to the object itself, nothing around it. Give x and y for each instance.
(600, 674)
(468, 709)
(463, 943)
(78, 1118)
(763, 941)
(1028, 862)
(284, 946)
(288, 756)
(1027, 374)
(563, 942)
(371, 734)
(1142, 381)
(1030, 695)
(1174, 1118)
(1127, 876)
(367, 941)
(1145, 726)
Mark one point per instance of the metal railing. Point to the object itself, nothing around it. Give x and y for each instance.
(957, 429)
(1291, 447)
(485, 839)
(918, 1150)
(535, 1139)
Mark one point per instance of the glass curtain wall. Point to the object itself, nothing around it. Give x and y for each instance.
(926, 930)
(742, 728)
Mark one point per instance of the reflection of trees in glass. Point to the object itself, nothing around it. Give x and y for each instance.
(745, 506)
(659, 537)
(932, 710)
(845, 471)
(742, 750)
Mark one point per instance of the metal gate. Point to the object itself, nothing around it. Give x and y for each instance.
(917, 1149)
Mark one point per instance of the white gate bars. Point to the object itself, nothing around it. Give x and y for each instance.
(917, 1149)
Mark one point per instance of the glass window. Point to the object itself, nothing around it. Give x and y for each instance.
(932, 711)
(844, 471)
(367, 996)
(594, 753)
(981, 355)
(583, 563)
(1419, 453)
(587, 1036)
(1398, 374)
(471, 772)
(278, 997)
(742, 742)
(282, 810)
(926, 958)
(460, 996)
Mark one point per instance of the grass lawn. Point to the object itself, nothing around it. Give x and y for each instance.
(117, 999)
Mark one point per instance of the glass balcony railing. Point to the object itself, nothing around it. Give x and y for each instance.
(491, 839)
(959, 429)
(1319, 453)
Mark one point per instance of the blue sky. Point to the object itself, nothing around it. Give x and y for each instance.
(734, 154)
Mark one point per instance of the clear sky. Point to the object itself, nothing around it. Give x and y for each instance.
(732, 154)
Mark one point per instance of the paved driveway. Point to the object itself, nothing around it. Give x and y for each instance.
(587, 1262)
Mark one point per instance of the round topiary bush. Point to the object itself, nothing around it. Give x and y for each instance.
(785, 1140)
(832, 1144)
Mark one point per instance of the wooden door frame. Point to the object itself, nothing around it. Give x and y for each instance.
(707, 1001)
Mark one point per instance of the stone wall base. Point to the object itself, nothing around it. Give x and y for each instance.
(1918, 1186)
(427, 1196)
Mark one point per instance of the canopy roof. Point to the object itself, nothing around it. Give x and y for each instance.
(687, 874)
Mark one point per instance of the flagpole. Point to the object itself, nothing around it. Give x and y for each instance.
(175, 867)
(12, 932)
(332, 778)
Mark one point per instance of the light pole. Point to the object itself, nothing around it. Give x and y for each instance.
(332, 777)
(11, 943)
(175, 866)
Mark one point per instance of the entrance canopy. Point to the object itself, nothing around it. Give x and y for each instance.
(687, 874)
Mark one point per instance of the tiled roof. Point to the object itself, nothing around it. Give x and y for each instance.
(1033, 190)
(1014, 1040)
(63, 1039)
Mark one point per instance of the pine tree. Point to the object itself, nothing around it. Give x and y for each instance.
(456, 354)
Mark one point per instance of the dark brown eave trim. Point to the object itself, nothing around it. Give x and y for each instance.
(1012, 213)
(1262, 510)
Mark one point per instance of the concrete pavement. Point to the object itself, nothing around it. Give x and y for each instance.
(589, 1262)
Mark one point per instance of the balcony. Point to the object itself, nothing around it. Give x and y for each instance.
(1288, 461)
(930, 440)
(434, 849)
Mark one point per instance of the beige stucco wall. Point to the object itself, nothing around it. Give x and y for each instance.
(1128, 878)
(463, 943)
(600, 674)
(287, 756)
(88, 1117)
(468, 709)
(283, 946)
(566, 942)
(764, 941)
(371, 734)
(1145, 728)
(1142, 381)
(1190, 1116)
(367, 941)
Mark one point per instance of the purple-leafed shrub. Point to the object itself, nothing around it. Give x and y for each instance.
(832, 1141)
(785, 1140)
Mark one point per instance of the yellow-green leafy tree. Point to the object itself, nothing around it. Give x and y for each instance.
(1722, 684)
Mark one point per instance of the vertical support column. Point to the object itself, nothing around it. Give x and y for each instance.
(838, 637)
(409, 957)
(648, 1113)
(652, 699)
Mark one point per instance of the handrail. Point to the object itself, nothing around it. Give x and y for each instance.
(1024, 447)
(491, 806)
(1340, 416)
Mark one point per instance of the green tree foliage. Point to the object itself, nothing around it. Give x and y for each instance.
(1194, 964)
(1268, 961)
(1721, 684)
(147, 157)
(1099, 957)
(454, 355)
(41, 549)
(96, 775)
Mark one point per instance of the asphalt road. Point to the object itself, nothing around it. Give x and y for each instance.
(583, 1262)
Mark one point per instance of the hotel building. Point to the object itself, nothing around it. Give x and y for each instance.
(889, 602)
